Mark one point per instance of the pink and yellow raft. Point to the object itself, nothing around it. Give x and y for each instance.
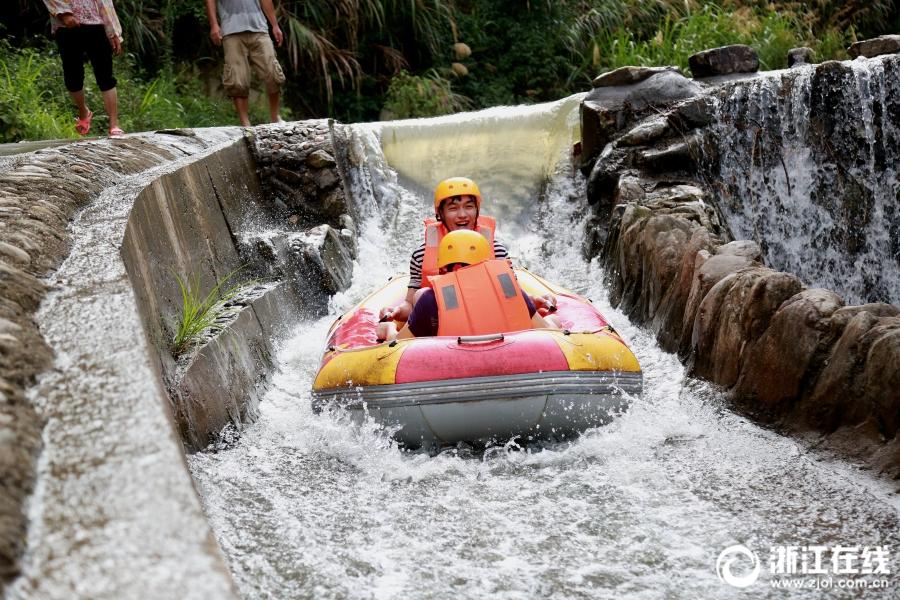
(537, 384)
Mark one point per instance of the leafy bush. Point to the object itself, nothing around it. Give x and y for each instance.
(677, 38)
(411, 96)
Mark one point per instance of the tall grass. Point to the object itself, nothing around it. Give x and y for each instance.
(678, 37)
(28, 107)
(200, 312)
(34, 103)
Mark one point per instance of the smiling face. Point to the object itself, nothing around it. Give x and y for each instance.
(459, 212)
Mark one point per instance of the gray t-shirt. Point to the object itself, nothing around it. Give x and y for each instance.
(236, 16)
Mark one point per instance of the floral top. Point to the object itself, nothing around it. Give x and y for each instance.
(88, 12)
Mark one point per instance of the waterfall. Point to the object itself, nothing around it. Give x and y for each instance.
(807, 167)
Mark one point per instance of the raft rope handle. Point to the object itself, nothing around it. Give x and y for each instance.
(475, 339)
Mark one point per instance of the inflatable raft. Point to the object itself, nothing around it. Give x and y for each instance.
(538, 384)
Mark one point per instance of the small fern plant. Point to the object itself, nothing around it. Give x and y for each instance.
(199, 312)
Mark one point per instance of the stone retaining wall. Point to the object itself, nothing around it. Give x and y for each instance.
(787, 355)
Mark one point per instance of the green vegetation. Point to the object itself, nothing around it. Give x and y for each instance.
(200, 312)
(410, 96)
(357, 59)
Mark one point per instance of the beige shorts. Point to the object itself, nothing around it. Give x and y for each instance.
(246, 49)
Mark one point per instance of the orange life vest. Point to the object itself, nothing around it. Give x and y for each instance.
(435, 232)
(480, 299)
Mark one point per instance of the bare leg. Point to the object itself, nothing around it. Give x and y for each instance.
(111, 103)
(78, 98)
(274, 98)
(242, 105)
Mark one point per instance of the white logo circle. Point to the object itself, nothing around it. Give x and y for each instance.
(728, 557)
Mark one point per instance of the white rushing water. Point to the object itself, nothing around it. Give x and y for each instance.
(305, 506)
(822, 202)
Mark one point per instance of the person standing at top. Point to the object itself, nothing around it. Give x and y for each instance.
(244, 35)
(88, 27)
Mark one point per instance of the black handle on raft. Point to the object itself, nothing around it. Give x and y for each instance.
(476, 339)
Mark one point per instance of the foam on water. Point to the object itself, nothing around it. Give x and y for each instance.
(306, 505)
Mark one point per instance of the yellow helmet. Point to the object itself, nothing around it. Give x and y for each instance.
(456, 186)
(463, 246)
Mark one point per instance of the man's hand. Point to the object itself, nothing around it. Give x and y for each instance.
(279, 36)
(215, 34)
(545, 304)
(116, 44)
(68, 20)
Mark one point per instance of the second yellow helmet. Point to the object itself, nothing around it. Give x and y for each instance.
(456, 186)
(463, 246)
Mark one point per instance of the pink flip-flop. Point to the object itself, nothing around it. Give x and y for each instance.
(115, 132)
(83, 126)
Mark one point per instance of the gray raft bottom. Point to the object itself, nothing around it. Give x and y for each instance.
(552, 405)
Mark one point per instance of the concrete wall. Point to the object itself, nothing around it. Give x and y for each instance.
(112, 505)
(189, 224)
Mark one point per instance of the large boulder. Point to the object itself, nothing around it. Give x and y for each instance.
(837, 396)
(883, 44)
(668, 321)
(733, 315)
(708, 271)
(798, 57)
(777, 365)
(607, 111)
(726, 60)
(318, 262)
(628, 75)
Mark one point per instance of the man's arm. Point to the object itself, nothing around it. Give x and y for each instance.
(400, 312)
(215, 33)
(268, 9)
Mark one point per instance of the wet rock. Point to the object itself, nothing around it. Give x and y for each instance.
(320, 159)
(299, 173)
(733, 314)
(743, 248)
(836, 398)
(693, 113)
(629, 75)
(776, 368)
(606, 111)
(883, 44)
(319, 263)
(599, 125)
(726, 60)
(668, 321)
(799, 56)
(709, 270)
(881, 376)
(13, 255)
(645, 132)
(662, 89)
(680, 156)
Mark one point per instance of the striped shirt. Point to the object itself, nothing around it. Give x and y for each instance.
(415, 263)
